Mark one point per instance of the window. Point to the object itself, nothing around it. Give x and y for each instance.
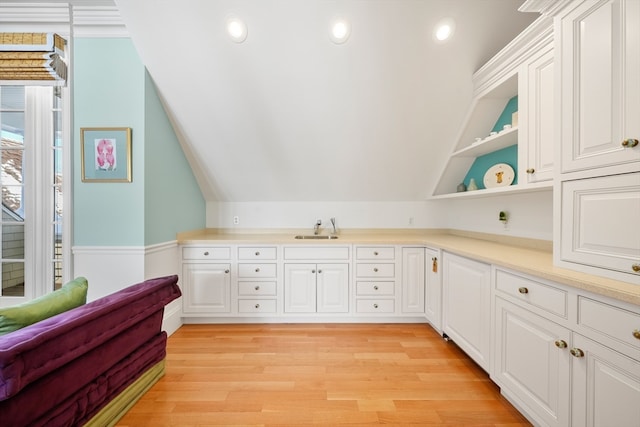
(32, 154)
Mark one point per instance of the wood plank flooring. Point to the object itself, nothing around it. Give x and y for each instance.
(319, 374)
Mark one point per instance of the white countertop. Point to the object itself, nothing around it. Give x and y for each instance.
(525, 255)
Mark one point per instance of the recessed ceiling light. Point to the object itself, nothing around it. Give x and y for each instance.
(237, 29)
(339, 30)
(444, 30)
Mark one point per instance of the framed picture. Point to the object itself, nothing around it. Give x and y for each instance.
(105, 154)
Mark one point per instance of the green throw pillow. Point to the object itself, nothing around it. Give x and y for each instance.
(70, 295)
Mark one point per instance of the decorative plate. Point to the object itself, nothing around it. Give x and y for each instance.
(500, 175)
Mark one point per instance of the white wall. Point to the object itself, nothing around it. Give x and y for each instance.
(530, 215)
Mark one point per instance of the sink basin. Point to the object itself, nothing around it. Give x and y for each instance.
(314, 237)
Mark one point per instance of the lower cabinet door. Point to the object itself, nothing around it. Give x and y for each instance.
(207, 288)
(606, 386)
(300, 288)
(532, 363)
(332, 288)
(467, 306)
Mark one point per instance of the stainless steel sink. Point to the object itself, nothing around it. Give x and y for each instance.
(314, 237)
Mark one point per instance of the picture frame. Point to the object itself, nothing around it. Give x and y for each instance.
(105, 154)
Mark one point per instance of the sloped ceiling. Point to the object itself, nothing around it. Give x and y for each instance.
(290, 116)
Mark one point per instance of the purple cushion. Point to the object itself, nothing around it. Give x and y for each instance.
(36, 350)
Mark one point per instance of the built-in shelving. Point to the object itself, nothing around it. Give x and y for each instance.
(498, 191)
(503, 139)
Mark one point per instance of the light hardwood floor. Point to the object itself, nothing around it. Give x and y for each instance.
(319, 374)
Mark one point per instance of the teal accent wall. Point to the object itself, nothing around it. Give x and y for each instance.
(173, 201)
(508, 155)
(505, 117)
(111, 88)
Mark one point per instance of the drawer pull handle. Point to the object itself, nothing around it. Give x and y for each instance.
(629, 143)
(636, 333)
(257, 305)
(576, 352)
(531, 170)
(257, 253)
(206, 253)
(523, 290)
(561, 344)
(257, 270)
(375, 288)
(375, 305)
(375, 270)
(227, 271)
(257, 288)
(635, 267)
(375, 253)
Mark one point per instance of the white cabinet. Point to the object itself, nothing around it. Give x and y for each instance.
(599, 183)
(600, 84)
(594, 229)
(531, 347)
(257, 280)
(206, 288)
(375, 277)
(206, 280)
(413, 280)
(433, 289)
(466, 286)
(536, 99)
(606, 386)
(316, 288)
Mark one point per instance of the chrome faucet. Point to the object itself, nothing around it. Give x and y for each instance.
(316, 227)
(333, 223)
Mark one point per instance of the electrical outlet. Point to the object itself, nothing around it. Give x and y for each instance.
(236, 220)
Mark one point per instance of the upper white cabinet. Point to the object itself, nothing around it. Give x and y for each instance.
(598, 46)
(524, 68)
(537, 99)
(599, 43)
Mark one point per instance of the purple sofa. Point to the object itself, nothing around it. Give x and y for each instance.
(64, 370)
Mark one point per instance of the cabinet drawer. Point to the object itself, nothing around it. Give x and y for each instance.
(614, 322)
(257, 306)
(546, 297)
(256, 288)
(375, 270)
(375, 288)
(316, 253)
(257, 253)
(256, 270)
(206, 252)
(375, 306)
(375, 252)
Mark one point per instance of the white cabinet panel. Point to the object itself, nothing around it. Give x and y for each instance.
(600, 84)
(316, 288)
(467, 306)
(413, 280)
(606, 386)
(433, 289)
(300, 288)
(207, 288)
(532, 362)
(333, 288)
(597, 229)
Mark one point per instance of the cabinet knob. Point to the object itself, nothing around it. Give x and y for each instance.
(635, 267)
(313, 271)
(636, 333)
(523, 290)
(227, 271)
(576, 352)
(375, 270)
(257, 288)
(206, 253)
(257, 305)
(375, 305)
(561, 344)
(629, 143)
(530, 170)
(257, 270)
(375, 288)
(319, 271)
(257, 253)
(375, 253)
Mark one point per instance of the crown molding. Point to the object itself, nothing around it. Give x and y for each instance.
(85, 18)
